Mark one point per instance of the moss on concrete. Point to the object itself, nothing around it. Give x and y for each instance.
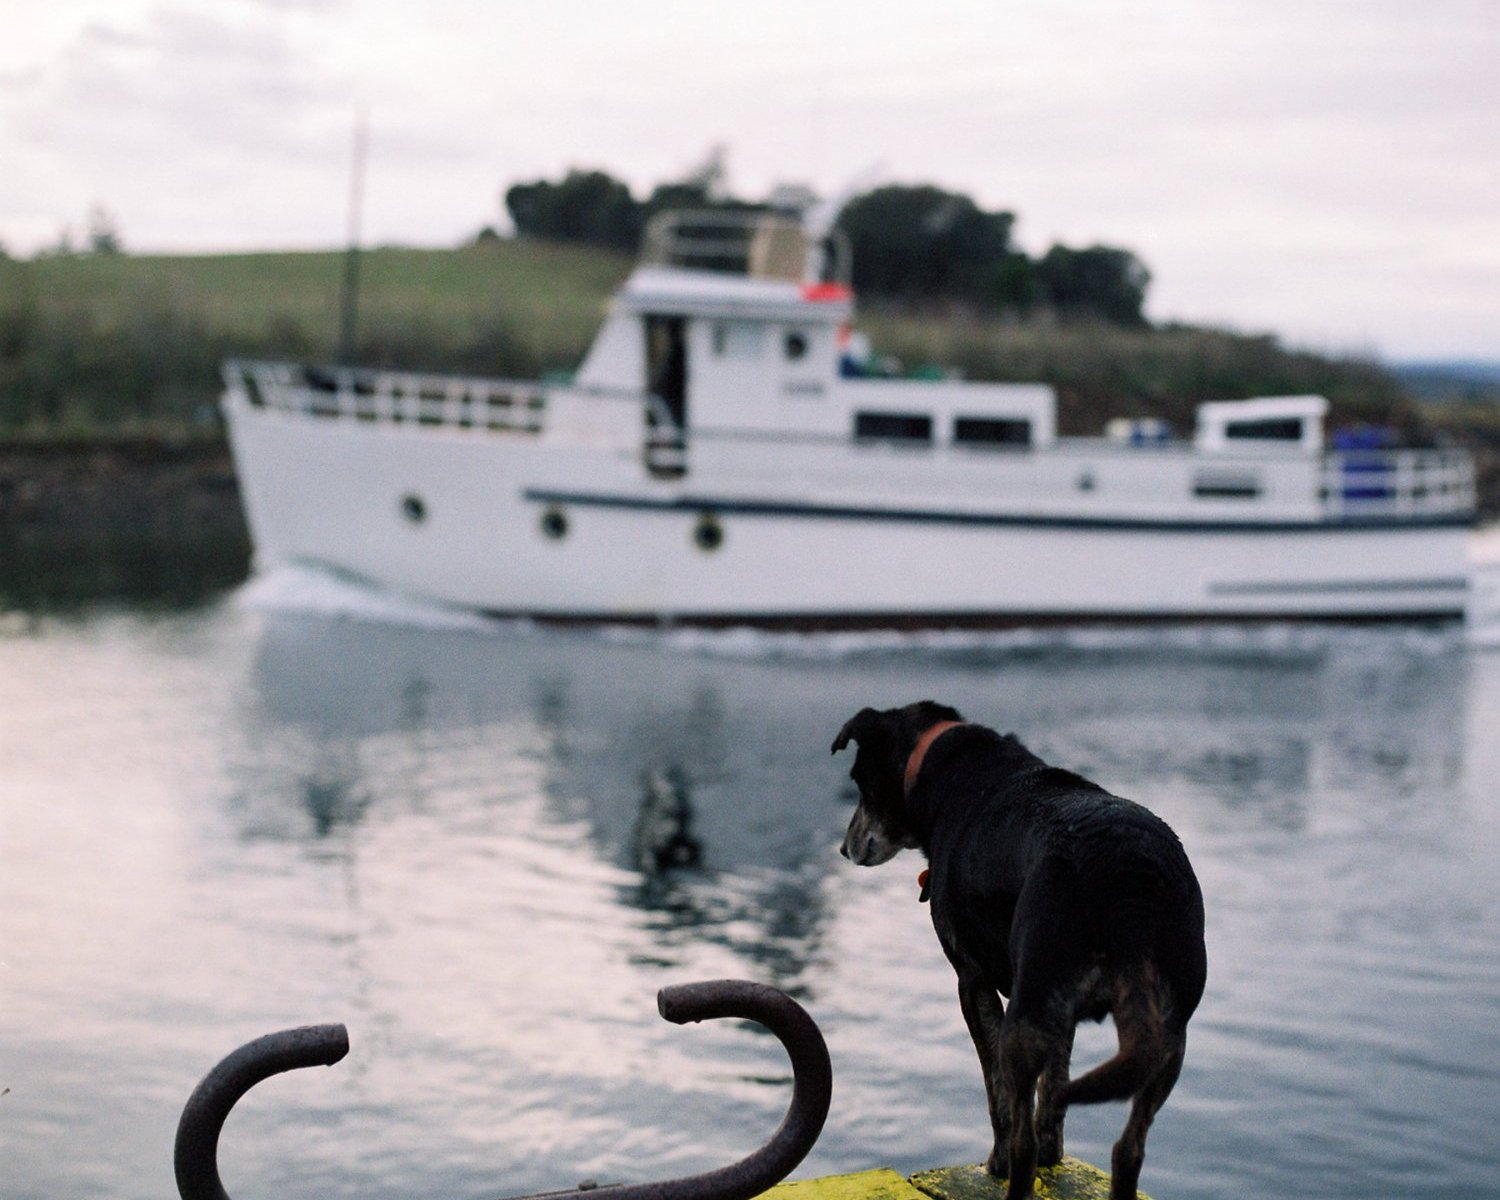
(880, 1184)
(1071, 1179)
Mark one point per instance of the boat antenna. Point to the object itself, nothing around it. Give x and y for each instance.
(349, 298)
(820, 221)
(823, 216)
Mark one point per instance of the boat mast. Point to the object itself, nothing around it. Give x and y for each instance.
(350, 292)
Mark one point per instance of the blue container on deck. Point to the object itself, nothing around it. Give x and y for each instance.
(1368, 470)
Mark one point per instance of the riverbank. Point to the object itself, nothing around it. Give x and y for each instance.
(99, 483)
(151, 518)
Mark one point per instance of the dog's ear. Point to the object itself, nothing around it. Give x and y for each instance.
(858, 728)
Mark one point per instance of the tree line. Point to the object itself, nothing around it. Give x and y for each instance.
(913, 245)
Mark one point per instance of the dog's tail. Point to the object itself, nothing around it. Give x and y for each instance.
(1144, 1042)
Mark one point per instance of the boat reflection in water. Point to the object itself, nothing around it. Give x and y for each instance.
(689, 778)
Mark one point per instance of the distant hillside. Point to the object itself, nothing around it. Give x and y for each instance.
(108, 340)
(1454, 381)
(113, 339)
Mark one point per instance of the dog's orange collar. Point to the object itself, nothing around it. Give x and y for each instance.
(919, 751)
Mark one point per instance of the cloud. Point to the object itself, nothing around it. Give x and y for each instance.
(170, 121)
(1297, 157)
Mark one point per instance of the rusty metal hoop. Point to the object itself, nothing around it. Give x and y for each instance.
(196, 1152)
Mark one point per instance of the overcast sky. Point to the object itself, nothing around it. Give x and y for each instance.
(1328, 170)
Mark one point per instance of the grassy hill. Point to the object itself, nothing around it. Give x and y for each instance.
(1452, 381)
(108, 342)
(121, 346)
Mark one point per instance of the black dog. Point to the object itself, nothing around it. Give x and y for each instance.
(1046, 889)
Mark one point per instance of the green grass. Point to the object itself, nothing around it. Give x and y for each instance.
(93, 342)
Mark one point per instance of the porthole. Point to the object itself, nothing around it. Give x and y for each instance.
(555, 524)
(1085, 481)
(795, 344)
(708, 534)
(413, 508)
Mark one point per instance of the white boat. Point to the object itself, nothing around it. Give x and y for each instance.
(721, 458)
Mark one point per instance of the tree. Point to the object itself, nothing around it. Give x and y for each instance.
(911, 243)
(104, 234)
(587, 206)
(922, 243)
(1101, 281)
(676, 197)
(1011, 283)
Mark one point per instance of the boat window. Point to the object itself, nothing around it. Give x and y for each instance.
(795, 344)
(737, 339)
(1217, 485)
(991, 431)
(1272, 429)
(893, 427)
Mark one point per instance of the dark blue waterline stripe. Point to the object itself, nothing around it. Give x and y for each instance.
(833, 512)
(815, 622)
(1453, 583)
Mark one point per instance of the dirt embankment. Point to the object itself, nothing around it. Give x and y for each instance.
(79, 489)
(148, 519)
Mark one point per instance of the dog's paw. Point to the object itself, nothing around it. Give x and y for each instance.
(1049, 1149)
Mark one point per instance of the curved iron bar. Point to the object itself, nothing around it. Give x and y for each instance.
(195, 1156)
(812, 1088)
(203, 1117)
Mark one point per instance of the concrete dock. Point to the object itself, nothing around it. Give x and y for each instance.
(1071, 1179)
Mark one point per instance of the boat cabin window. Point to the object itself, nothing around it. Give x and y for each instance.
(738, 339)
(903, 428)
(795, 344)
(991, 431)
(1273, 429)
(1224, 485)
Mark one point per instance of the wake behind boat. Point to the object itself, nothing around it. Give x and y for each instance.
(724, 456)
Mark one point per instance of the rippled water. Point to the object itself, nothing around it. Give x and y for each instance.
(295, 805)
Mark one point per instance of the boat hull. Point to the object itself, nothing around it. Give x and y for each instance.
(503, 525)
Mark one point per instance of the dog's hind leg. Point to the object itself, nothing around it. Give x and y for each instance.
(985, 1016)
(1024, 1048)
(1050, 1106)
(1130, 1151)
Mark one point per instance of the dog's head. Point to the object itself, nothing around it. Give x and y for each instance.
(880, 828)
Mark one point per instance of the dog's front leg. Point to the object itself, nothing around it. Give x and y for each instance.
(985, 1015)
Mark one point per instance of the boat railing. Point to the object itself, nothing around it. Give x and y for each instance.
(568, 413)
(621, 418)
(1406, 483)
(363, 394)
(752, 242)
